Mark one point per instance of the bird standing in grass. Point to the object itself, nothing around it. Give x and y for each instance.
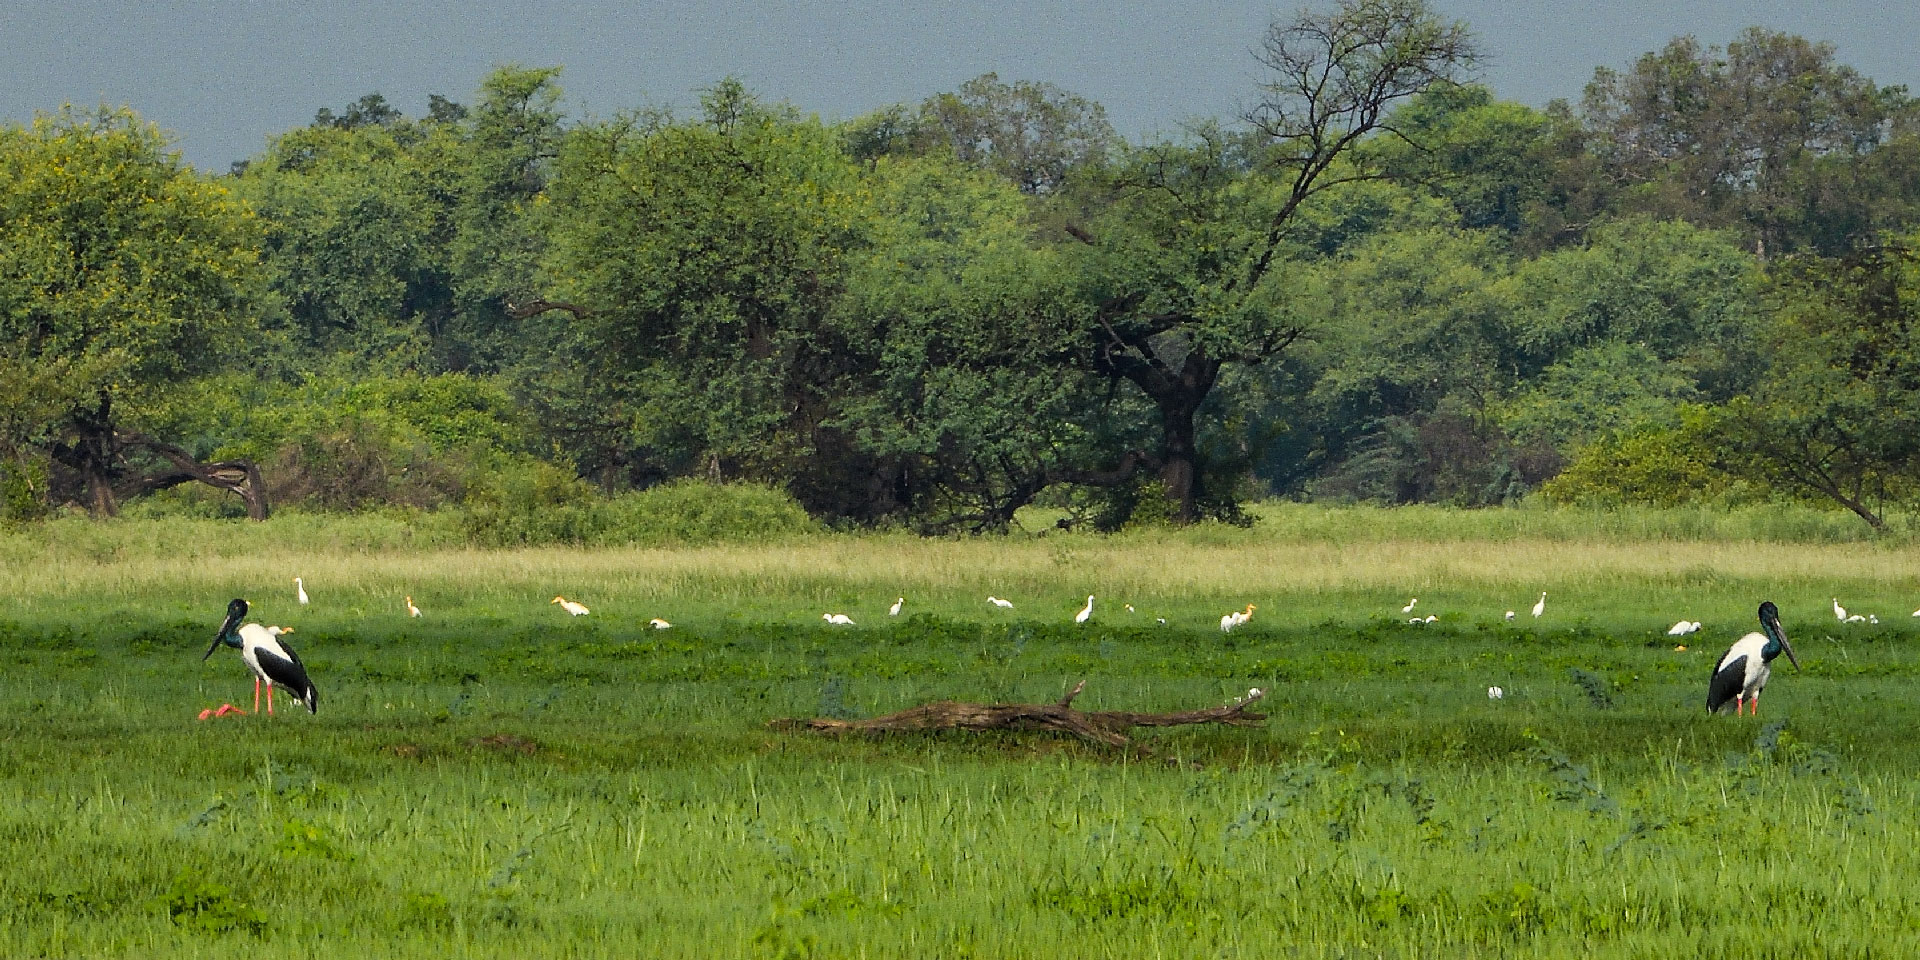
(1541, 607)
(838, 619)
(412, 611)
(1743, 670)
(1085, 612)
(576, 609)
(1409, 607)
(659, 624)
(300, 589)
(1002, 604)
(894, 610)
(1683, 628)
(272, 661)
(1839, 612)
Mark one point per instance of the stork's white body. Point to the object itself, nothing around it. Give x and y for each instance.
(274, 664)
(1755, 671)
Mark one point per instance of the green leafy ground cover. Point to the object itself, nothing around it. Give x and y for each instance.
(498, 779)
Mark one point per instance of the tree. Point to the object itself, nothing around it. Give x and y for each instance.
(123, 273)
(1724, 137)
(1187, 243)
(1032, 134)
(702, 261)
(1837, 414)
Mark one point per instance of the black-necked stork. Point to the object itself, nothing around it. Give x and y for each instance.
(271, 659)
(1742, 672)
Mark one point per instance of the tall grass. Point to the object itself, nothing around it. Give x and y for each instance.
(496, 779)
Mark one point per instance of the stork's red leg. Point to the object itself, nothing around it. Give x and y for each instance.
(256, 694)
(269, 699)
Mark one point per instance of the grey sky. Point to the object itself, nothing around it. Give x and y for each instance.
(225, 74)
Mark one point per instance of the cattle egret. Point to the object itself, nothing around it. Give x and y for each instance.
(658, 624)
(1509, 614)
(1002, 604)
(412, 611)
(1229, 621)
(576, 609)
(838, 619)
(1541, 607)
(1855, 618)
(272, 661)
(1743, 670)
(1409, 607)
(1839, 612)
(894, 610)
(1085, 612)
(300, 589)
(1495, 693)
(1683, 628)
(1129, 608)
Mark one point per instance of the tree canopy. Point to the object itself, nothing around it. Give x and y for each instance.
(1378, 282)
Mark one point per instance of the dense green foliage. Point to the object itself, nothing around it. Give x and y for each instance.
(496, 778)
(1692, 286)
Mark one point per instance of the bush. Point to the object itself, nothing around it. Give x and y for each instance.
(551, 508)
(1656, 465)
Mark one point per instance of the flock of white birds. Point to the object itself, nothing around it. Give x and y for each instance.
(1232, 619)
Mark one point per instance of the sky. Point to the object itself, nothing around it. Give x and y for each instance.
(224, 75)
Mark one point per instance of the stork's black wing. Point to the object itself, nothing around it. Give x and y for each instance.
(1727, 683)
(288, 674)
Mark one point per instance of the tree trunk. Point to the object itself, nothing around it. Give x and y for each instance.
(1179, 457)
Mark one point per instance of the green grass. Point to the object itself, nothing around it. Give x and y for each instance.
(499, 780)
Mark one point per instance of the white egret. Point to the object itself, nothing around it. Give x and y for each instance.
(1495, 693)
(1683, 628)
(1541, 607)
(1509, 614)
(1409, 607)
(1855, 618)
(838, 619)
(576, 609)
(1229, 621)
(1002, 604)
(1743, 670)
(1839, 612)
(412, 611)
(894, 610)
(300, 589)
(1085, 612)
(659, 624)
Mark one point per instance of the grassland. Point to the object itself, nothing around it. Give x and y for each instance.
(496, 779)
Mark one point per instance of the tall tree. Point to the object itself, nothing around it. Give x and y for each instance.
(1186, 250)
(1837, 414)
(123, 273)
(1724, 137)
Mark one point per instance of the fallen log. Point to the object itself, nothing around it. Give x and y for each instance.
(1107, 728)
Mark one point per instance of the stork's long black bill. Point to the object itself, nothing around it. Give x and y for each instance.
(1770, 621)
(236, 610)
